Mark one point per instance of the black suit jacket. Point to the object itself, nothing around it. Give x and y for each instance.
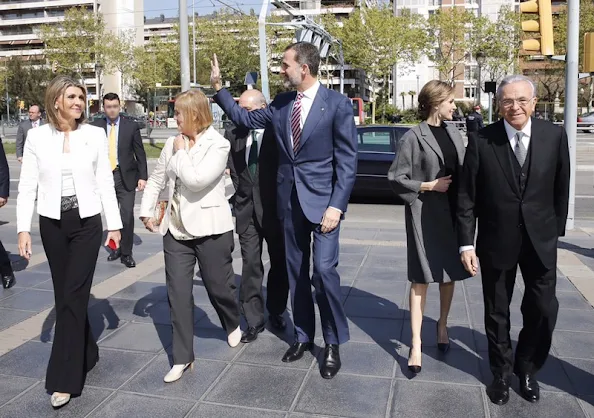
(490, 191)
(4, 173)
(131, 155)
(253, 194)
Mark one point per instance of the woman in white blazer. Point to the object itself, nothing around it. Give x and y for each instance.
(197, 224)
(66, 167)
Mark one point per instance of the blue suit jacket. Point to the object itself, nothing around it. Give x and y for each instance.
(325, 167)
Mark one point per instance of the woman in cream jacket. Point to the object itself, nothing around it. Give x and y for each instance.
(197, 225)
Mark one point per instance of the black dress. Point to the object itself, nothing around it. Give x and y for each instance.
(450, 156)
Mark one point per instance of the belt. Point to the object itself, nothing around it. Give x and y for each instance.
(68, 203)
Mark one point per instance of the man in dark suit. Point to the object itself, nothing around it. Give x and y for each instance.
(253, 161)
(474, 122)
(6, 271)
(317, 140)
(516, 182)
(128, 162)
(33, 122)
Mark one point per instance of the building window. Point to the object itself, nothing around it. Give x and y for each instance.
(469, 92)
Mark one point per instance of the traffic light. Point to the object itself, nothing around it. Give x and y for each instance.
(544, 26)
(588, 62)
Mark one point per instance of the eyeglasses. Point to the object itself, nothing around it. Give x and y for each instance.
(522, 102)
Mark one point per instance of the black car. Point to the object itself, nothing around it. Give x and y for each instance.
(377, 149)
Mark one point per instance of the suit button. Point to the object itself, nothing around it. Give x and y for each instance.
(523, 174)
(520, 225)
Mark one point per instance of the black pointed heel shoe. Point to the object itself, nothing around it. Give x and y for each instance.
(443, 347)
(413, 368)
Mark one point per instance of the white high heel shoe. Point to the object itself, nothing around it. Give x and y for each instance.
(59, 399)
(234, 338)
(176, 372)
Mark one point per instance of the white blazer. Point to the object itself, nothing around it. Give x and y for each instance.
(204, 209)
(41, 175)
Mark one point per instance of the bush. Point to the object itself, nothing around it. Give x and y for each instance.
(409, 116)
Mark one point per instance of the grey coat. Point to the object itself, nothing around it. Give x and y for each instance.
(22, 131)
(432, 250)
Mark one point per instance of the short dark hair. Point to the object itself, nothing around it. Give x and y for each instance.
(36, 105)
(306, 53)
(110, 97)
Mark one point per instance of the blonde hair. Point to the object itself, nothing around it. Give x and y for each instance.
(194, 106)
(432, 94)
(56, 88)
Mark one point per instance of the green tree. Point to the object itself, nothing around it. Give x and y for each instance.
(412, 98)
(450, 31)
(374, 40)
(78, 42)
(26, 82)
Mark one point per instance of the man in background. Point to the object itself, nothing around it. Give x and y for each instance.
(6, 271)
(33, 122)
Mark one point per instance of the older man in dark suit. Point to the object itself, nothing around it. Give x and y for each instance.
(128, 162)
(253, 161)
(33, 122)
(516, 182)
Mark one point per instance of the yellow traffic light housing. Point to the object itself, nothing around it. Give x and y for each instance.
(588, 61)
(544, 26)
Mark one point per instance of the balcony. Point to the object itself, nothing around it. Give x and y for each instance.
(31, 21)
(42, 4)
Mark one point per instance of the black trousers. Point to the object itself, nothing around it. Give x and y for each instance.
(5, 265)
(539, 311)
(216, 268)
(126, 202)
(252, 272)
(71, 245)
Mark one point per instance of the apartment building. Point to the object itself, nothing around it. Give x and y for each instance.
(20, 21)
(465, 86)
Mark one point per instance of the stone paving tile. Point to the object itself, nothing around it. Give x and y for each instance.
(369, 307)
(11, 386)
(28, 360)
(135, 405)
(394, 292)
(573, 300)
(458, 313)
(29, 279)
(9, 317)
(139, 337)
(36, 403)
(587, 403)
(581, 375)
(6, 293)
(575, 320)
(211, 344)
(429, 399)
(34, 300)
(208, 410)
(365, 359)
(143, 290)
(461, 337)
(354, 249)
(456, 366)
(375, 329)
(345, 395)
(147, 311)
(269, 350)
(258, 387)
(191, 386)
(550, 404)
(115, 367)
(574, 344)
(374, 272)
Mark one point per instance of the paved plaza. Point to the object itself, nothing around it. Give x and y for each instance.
(130, 318)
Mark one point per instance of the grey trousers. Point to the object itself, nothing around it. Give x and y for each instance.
(215, 262)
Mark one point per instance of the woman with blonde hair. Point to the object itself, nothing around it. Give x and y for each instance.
(425, 175)
(66, 168)
(197, 225)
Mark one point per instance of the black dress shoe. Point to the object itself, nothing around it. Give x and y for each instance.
(251, 334)
(114, 255)
(443, 347)
(128, 261)
(296, 351)
(277, 322)
(529, 388)
(331, 364)
(412, 367)
(498, 391)
(8, 280)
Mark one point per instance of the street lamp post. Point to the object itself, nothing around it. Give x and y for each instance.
(98, 69)
(418, 88)
(480, 60)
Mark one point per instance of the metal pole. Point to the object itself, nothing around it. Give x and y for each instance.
(263, 53)
(490, 108)
(571, 97)
(478, 90)
(184, 41)
(341, 57)
(194, 38)
(7, 99)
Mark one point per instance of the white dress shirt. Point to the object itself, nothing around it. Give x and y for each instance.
(511, 137)
(248, 145)
(68, 188)
(306, 103)
(35, 124)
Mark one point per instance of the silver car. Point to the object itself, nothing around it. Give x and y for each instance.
(587, 119)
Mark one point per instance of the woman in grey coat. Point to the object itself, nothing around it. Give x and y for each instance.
(425, 176)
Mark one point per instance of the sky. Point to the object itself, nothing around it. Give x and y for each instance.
(154, 8)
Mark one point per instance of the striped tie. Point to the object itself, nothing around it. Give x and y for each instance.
(296, 122)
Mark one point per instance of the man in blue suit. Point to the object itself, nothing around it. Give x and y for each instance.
(317, 141)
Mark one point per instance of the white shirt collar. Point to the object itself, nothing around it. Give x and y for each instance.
(511, 131)
(311, 92)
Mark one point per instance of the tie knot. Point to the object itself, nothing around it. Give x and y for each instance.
(519, 135)
(299, 97)
(112, 124)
